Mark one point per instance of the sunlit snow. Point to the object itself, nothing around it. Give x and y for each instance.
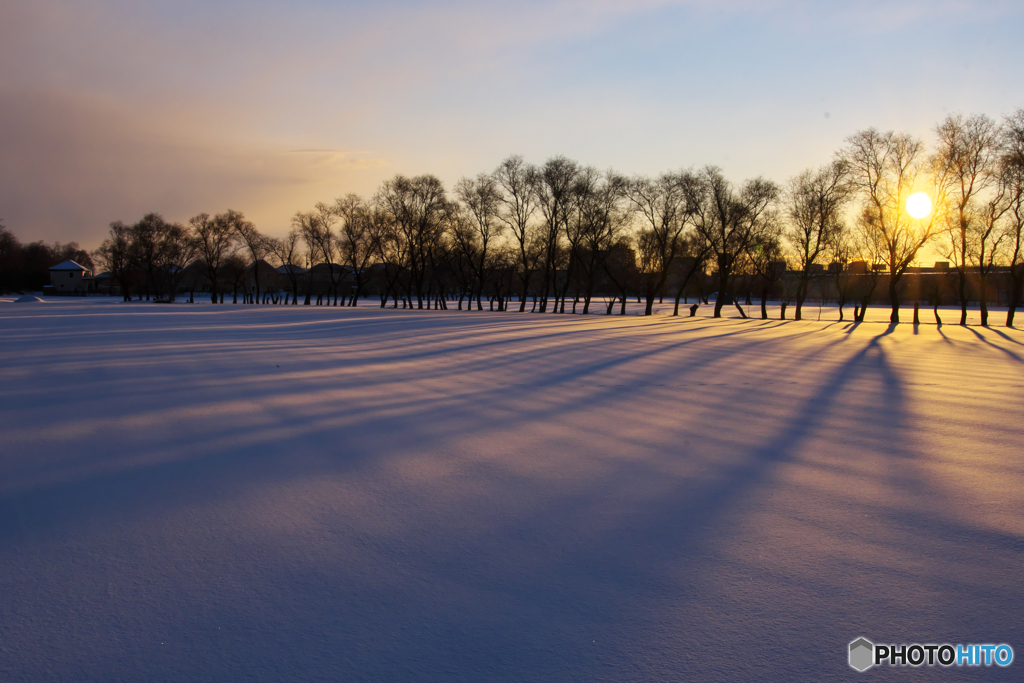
(240, 493)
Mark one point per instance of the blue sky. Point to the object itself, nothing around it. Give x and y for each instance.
(115, 108)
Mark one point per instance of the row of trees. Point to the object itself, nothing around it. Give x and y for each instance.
(564, 232)
(562, 229)
(152, 256)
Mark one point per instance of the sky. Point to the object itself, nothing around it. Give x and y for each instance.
(112, 109)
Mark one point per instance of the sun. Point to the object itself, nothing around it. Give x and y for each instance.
(919, 205)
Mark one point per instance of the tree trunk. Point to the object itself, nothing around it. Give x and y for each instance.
(723, 280)
(894, 300)
(983, 305)
(1014, 301)
(801, 295)
(256, 277)
(962, 291)
(649, 309)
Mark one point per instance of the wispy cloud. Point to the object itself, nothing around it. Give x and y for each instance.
(116, 107)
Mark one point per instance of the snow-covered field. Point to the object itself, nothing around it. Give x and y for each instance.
(240, 493)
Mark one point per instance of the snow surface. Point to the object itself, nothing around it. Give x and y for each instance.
(245, 493)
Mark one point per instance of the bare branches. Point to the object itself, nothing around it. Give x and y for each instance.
(731, 222)
(482, 199)
(117, 255)
(418, 207)
(665, 207)
(518, 206)
(964, 165)
(814, 204)
(287, 250)
(885, 169)
(215, 241)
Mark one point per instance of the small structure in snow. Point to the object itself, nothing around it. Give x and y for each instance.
(71, 278)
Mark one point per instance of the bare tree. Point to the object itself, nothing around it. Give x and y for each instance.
(147, 238)
(161, 250)
(663, 203)
(987, 238)
(604, 218)
(619, 266)
(885, 169)
(215, 241)
(1012, 179)
(840, 252)
(580, 212)
(814, 206)
(354, 241)
(502, 274)
(390, 247)
(690, 264)
(10, 260)
(418, 207)
(256, 244)
(440, 253)
(482, 198)
(768, 265)
(179, 250)
(731, 221)
(553, 186)
(117, 256)
(518, 201)
(465, 258)
(288, 252)
(234, 270)
(964, 163)
(317, 228)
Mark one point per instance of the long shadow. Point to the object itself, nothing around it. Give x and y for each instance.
(542, 592)
(1008, 352)
(1006, 336)
(145, 480)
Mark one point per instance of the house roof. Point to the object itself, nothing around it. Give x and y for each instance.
(68, 265)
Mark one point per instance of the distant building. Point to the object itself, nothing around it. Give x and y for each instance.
(71, 278)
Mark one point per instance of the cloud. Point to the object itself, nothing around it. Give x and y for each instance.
(117, 107)
(75, 165)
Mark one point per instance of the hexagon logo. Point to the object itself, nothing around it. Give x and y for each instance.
(862, 654)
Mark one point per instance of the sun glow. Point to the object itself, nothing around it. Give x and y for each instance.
(919, 205)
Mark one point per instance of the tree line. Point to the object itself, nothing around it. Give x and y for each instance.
(563, 233)
(26, 267)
